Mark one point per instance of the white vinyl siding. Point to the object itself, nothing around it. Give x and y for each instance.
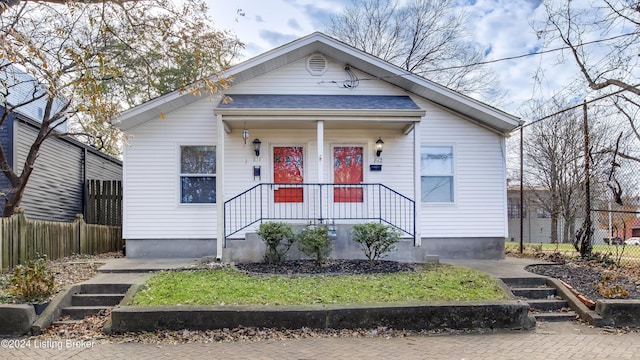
(295, 79)
(152, 208)
(479, 207)
(152, 169)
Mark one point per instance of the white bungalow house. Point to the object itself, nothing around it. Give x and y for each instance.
(317, 131)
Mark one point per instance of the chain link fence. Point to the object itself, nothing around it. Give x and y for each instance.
(551, 162)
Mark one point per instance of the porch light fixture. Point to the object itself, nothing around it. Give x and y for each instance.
(256, 146)
(379, 144)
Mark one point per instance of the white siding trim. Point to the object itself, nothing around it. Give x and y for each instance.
(503, 148)
(220, 187)
(417, 183)
(320, 137)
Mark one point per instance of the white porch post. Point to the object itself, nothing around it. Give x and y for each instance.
(417, 182)
(320, 137)
(220, 186)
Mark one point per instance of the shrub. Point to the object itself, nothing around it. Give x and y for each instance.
(278, 237)
(377, 240)
(314, 241)
(32, 282)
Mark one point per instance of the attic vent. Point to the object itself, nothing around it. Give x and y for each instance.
(316, 65)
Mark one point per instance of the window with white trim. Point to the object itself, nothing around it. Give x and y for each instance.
(436, 174)
(197, 174)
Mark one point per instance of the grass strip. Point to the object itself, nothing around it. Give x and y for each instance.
(435, 282)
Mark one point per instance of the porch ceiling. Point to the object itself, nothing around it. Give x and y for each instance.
(235, 123)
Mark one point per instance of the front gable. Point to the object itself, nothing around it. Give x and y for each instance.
(286, 70)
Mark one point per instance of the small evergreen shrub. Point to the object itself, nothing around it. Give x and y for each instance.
(377, 240)
(314, 242)
(32, 282)
(278, 237)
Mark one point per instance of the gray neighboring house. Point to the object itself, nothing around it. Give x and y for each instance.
(56, 189)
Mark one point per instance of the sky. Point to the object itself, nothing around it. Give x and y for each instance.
(500, 27)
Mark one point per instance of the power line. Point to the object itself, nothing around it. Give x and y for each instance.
(577, 106)
(530, 54)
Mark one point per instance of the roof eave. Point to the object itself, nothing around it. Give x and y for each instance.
(320, 112)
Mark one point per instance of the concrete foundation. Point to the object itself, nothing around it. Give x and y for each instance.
(170, 248)
(251, 248)
(467, 248)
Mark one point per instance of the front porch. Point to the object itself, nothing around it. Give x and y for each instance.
(338, 206)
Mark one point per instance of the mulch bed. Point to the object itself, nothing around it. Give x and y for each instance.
(329, 267)
(593, 280)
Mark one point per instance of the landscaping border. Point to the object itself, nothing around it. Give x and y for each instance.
(511, 314)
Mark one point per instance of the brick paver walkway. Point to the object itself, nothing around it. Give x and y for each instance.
(563, 341)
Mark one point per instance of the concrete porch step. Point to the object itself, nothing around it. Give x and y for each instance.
(543, 300)
(66, 322)
(547, 305)
(79, 312)
(555, 316)
(535, 293)
(525, 282)
(96, 299)
(99, 288)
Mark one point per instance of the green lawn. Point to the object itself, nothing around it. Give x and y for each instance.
(228, 287)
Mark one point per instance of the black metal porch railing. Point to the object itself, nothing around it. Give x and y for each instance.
(312, 202)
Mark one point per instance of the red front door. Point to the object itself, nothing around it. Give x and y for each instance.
(288, 169)
(347, 169)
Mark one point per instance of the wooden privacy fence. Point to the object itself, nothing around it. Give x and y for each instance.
(22, 239)
(104, 202)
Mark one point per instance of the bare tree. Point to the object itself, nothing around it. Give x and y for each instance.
(554, 161)
(425, 37)
(85, 61)
(602, 37)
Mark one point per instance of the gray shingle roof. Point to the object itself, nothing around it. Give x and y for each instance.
(345, 102)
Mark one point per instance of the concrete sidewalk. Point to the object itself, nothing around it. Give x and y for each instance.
(510, 267)
(548, 341)
(137, 271)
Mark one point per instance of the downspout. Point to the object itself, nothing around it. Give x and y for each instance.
(84, 183)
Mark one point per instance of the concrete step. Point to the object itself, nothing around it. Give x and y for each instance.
(66, 322)
(534, 293)
(79, 312)
(527, 282)
(96, 299)
(547, 304)
(98, 288)
(555, 316)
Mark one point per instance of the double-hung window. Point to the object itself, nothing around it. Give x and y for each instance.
(197, 174)
(436, 170)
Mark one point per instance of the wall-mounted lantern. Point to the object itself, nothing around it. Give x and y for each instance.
(379, 144)
(256, 146)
